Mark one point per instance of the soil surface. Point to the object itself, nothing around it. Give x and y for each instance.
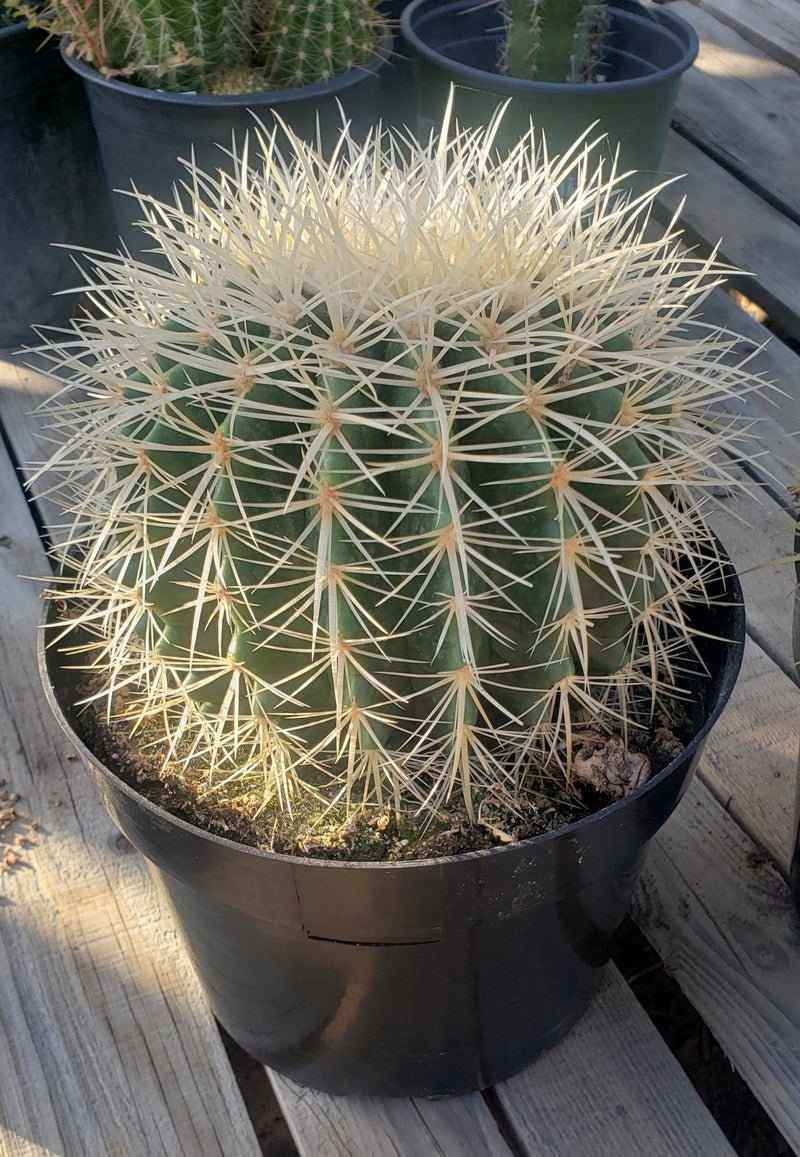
(604, 769)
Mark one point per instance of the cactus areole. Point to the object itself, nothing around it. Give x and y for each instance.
(396, 477)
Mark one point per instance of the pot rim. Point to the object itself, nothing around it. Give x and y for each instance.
(519, 86)
(16, 29)
(733, 598)
(279, 96)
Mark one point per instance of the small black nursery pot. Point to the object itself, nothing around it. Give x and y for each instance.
(427, 978)
(458, 43)
(52, 185)
(144, 133)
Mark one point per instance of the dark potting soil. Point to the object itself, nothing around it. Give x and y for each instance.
(372, 835)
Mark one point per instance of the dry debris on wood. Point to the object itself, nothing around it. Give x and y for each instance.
(11, 847)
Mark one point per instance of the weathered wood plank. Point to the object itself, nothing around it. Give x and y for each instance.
(743, 108)
(771, 25)
(776, 411)
(756, 237)
(326, 1126)
(751, 758)
(759, 536)
(608, 1088)
(22, 391)
(721, 919)
(611, 1086)
(108, 1045)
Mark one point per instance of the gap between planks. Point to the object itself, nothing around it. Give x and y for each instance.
(754, 237)
(611, 1088)
(722, 921)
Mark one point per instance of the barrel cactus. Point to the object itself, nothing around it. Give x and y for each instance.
(219, 46)
(554, 40)
(394, 480)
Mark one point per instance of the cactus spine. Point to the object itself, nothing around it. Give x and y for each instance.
(305, 42)
(554, 40)
(396, 477)
(216, 46)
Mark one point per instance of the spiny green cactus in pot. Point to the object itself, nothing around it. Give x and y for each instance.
(218, 46)
(554, 40)
(395, 481)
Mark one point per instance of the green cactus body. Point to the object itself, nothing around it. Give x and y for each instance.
(554, 40)
(396, 485)
(316, 39)
(179, 45)
(215, 46)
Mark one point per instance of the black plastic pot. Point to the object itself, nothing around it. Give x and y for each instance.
(457, 43)
(144, 133)
(51, 185)
(426, 978)
(398, 104)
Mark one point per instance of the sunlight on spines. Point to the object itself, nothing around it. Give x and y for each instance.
(397, 474)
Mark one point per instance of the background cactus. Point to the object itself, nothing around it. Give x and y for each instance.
(304, 42)
(396, 476)
(554, 40)
(217, 46)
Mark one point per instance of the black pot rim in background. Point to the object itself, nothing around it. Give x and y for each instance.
(735, 600)
(675, 26)
(52, 196)
(146, 136)
(277, 96)
(14, 30)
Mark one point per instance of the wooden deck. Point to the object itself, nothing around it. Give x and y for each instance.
(106, 1044)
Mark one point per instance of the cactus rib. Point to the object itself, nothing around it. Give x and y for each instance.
(396, 478)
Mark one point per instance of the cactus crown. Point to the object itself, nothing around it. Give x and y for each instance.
(396, 476)
(554, 40)
(217, 46)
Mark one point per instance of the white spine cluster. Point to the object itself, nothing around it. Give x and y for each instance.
(397, 474)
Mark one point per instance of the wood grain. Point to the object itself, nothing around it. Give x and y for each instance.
(722, 921)
(607, 1089)
(326, 1126)
(759, 536)
(776, 411)
(743, 108)
(755, 237)
(771, 25)
(107, 1046)
(610, 1087)
(750, 761)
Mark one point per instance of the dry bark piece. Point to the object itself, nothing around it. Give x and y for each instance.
(608, 766)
